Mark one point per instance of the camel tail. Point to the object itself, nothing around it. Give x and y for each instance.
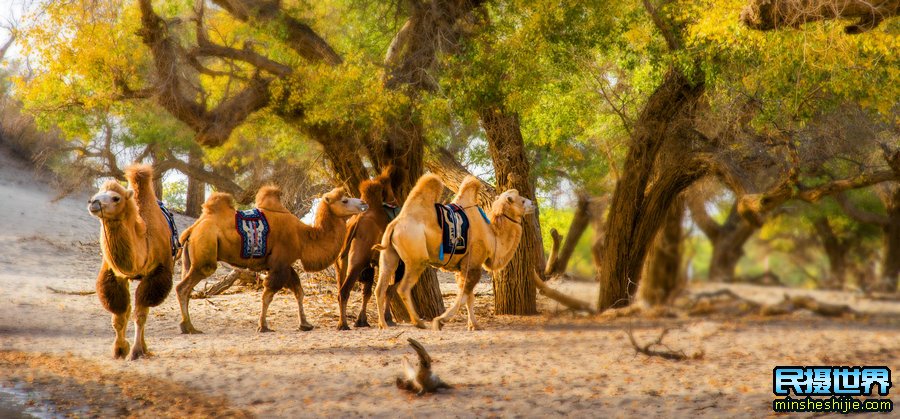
(348, 239)
(385, 239)
(426, 192)
(140, 179)
(186, 262)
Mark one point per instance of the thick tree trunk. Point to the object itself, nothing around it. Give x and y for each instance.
(891, 263)
(728, 247)
(638, 208)
(196, 189)
(664, 278)
(514, 292)
(579, 224)
(346, 164)
(836, 250)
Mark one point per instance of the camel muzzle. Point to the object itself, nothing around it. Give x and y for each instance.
(363, 207)
(94, 206)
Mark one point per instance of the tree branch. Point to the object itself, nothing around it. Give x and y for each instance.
(860, 214)
(298, 36)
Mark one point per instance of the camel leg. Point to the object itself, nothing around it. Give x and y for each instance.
(267, 296)
(114, 296)
(150, 292)
(139, 349)
(472, 279)
(368, 278)
(470, 308)
(438, 321)
(276, 279)
(192, 274)
(295, 286)
(410, 278)
(344, 294)
(120, 323)
(387, 264)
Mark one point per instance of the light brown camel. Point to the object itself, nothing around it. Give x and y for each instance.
(214, 237)
(136, 244)
(415, 236)
(363, 232)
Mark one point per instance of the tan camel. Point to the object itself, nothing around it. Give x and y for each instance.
(136, 244)
(363, 232)
(214, 237)
(415, 236)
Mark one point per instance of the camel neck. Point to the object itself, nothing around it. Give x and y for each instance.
(321, 242)
(507, 235)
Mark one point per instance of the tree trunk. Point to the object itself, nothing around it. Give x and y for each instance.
(514, 292)
(891, 263)
(664, 278)
(728, 247)
(196, 189)
(637, 210)
(576, 230)
(836, 250)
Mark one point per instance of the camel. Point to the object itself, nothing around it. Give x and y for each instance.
(490, 244)
(364, 231)
(136, 244)
(214, 237)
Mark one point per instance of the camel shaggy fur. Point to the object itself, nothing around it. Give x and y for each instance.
(415, 236)
(364, 231)
(213, 237)
(136, 244)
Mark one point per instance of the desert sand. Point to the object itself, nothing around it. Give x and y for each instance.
(55, 348)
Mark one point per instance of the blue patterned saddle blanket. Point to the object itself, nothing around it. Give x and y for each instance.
(173, 229)
(391, 210)
(254, 230)
(454, 229)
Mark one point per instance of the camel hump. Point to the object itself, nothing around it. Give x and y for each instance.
(218, 202)
(468, 191)
(269, 198)
(371, 191)
(140, 179)
(426, 192)
(392, 175)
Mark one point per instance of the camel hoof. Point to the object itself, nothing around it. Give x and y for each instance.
(361, 323)
(188, 329)
(306, 327)
(421, 325)
(120, 350)
(382, 326)
(343, 326)
(263, 329)
(437, 325)
(473, 327)
(137, 354)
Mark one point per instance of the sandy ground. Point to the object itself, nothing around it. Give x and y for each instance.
(55, 348)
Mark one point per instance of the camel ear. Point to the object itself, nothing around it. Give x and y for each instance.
(327, 199)
(129, 193)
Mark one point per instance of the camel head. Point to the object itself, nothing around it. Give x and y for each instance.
(111, 201)
(343, 205)
(512, 205)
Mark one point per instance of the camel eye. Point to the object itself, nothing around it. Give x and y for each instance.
(116, 199)
(344, 201)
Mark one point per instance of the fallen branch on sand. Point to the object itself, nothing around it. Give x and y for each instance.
(64, 292)
(245, 277)
(668, 353)
(570, 302)
(787, 305)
